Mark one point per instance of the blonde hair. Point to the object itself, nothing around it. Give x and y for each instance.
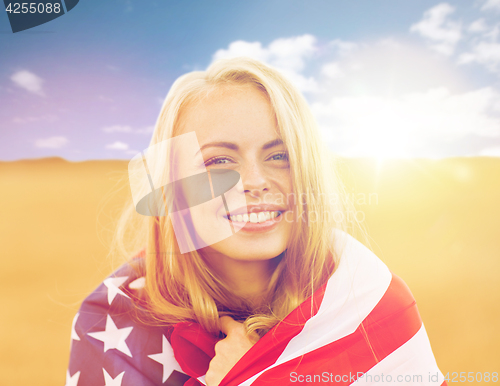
(184, 287)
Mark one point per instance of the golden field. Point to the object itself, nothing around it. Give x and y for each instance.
(435, 223)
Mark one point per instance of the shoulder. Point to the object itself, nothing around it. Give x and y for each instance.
(365, 282)
(380, 314)
(373, 309)
(117, 290)
(109, 341)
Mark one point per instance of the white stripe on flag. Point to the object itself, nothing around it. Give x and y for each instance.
(413, 363)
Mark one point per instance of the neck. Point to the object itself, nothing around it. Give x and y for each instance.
(247, 279)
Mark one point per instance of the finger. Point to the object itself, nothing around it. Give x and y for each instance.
(229, 326)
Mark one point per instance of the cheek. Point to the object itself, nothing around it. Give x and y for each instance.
(209, 219)
(285, 176)
(200, 226)
(283, 181)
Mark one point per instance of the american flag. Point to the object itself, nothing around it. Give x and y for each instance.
(361, 327)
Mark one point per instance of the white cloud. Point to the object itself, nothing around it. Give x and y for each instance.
(290, 53)
(344, 47)
(442, 32)
(287, 54)
(146, 130)
(128, 129)
(117, 129)
(477, 26)
(478, 44)
(28, 81)
(490, 152)
(493, 34)
(242, 48)
(485, 53)
(385, 66)
(52, 142)
(117, 145)
(483, 46)
(491, 4)
(372, 125)
(332, 70)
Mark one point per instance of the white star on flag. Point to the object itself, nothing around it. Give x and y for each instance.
(138, 283)
(74, 335)
(72, 381)
(113, 337)
(109, 381)
(166, 358)
(113, 284)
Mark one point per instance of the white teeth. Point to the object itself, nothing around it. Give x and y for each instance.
(255, 217)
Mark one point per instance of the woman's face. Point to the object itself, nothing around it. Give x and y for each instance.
(236, 129)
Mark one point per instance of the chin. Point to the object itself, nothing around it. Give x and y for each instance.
(249, 250)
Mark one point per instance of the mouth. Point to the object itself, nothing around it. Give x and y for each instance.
(254, 217)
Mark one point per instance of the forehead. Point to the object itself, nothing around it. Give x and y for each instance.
(229, 112)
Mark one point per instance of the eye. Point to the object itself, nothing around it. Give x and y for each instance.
(218, 161)
(283, 156)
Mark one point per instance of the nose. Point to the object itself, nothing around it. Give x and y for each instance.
(254, 180)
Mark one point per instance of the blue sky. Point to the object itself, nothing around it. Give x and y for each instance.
(385, 78)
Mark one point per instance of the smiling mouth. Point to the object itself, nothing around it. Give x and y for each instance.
(254, 217)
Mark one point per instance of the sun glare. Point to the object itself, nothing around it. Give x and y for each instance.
(382, 134)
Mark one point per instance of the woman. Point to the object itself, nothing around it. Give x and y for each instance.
(248, 275)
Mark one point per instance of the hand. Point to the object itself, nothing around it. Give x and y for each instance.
(229, 350)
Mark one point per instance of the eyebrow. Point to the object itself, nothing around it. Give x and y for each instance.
(233, 146)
